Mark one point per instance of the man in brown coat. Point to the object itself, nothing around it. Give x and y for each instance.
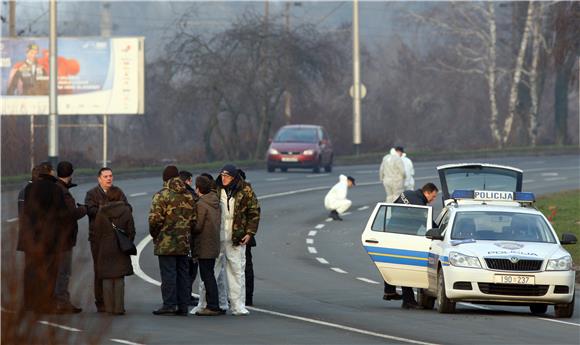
(206, 243)
(93, 200)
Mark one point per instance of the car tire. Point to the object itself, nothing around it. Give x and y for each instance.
(565, 310)
(271, 168)
(444, 305)
(538, 308)
(424, 300)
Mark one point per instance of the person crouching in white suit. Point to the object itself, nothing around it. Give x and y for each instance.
(335, 200)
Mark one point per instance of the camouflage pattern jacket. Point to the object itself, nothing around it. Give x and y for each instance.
(246, 208)
(171, 218)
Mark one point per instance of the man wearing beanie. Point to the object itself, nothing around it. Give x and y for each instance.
(68, 239)
(171, 219)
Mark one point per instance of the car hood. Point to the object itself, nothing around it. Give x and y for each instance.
(294, 147)
(509, 249)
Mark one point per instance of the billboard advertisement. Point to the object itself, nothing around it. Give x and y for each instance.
(96, 76)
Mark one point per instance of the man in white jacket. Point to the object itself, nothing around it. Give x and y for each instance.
(335, 200)
(409, 170)
(392, 174)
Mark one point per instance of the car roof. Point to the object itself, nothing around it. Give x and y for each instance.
(301, 126)
(510, 207)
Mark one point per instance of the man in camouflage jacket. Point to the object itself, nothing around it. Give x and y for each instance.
(171, 219)
(239, 224)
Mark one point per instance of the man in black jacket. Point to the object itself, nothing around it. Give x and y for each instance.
(69, 231)
(423, 197)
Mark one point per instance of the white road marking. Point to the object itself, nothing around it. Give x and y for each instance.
(319, 226)
(475, 306)
(341, 327)
(558, 321)
(346, 213)
(137, 194)
(66, 328)
(135, 261)
(312, 233)
(426, 178)
(549, 174)
(550, 179)
(276, 179)
(312, 250)
(11, 220)
(367, 280)
(317, 175)
(328, 220)
(322, 261)
(338, 270)
(366, 172)
(528, 181)
(309, 241)
(124, 341)
(362, 208)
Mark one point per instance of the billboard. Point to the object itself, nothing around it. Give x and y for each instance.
(96, 76)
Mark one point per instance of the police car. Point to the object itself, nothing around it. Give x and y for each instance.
(488, 245)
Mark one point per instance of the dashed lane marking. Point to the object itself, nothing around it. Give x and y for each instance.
(319, 226)
(328, 220)
(276, 179)
(317, 175)
(549, 174)
(312, 250)
(338, 270)
(134, 195)
(558, 321)
(309, 241)
(366, 172)
(367, 280)
(322, 261)
(346, 213)
(528, 181)
(312, 233)
(121, 341)
(11, 220)
(362, 208)
(56, 325)
(551, 179)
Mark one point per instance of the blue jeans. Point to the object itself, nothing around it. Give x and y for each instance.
(175, 280)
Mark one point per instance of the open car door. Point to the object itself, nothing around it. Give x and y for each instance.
(394, 238)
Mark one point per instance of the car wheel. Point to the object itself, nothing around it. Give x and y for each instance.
(538, 308)
(444, 305)
(271, 168)
(424, 300)
(565, 310)
(283, 169)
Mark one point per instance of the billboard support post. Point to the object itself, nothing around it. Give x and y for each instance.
(53, 117)
(105, 139)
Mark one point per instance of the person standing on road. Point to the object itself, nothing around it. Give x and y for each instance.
(93, 200)
(69, 232)
(239, 223)
(43, 213)
(113, 265)
(171, 220)
(392, 174)
(206, 242)
(423, 196)
(335, 200)
(409, 170)
(187, 178)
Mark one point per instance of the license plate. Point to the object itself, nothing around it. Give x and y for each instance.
(512, 279)
(289, 159)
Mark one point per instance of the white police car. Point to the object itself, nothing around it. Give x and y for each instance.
(488, 245)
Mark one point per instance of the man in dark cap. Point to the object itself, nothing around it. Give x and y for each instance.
(69, 231)
(93, 200)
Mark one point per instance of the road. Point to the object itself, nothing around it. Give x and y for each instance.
(314, 282)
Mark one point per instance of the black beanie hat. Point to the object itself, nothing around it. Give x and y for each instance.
(64, 169)
(230, 169)
(170, 172)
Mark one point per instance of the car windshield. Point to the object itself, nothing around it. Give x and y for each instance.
(481, 179)
(501, 226)
(297, 135)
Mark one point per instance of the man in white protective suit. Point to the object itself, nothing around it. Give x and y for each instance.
(409, 170)
(335, 200)
(392, 174)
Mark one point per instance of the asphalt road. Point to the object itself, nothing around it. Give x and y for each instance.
(314, 282)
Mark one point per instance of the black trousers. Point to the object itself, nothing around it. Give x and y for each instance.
(249, 272)
(175, 280)
(192, 273)
(40, 272)
(206, 267)
(408, 294)
(98, 283)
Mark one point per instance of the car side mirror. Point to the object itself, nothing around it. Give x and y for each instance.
(568, 238)
(434, 234)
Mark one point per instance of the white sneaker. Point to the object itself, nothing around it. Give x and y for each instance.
(241, 312)
(196, 309)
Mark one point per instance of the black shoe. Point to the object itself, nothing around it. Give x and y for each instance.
(392, 296)
(209, 312)
(166, 311)
(334, 215)
(67, 308)
(182, 312)
(222, 311)
(410, 305)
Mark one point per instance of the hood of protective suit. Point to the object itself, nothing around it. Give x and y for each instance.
(337, 192)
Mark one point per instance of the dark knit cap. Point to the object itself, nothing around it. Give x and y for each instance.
(229, 169)
(64, 169)
(170, 172)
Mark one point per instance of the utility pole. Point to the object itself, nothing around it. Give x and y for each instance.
(287, 94)
(53, 116)
(356, 139)
(12, 18)
(106, 28)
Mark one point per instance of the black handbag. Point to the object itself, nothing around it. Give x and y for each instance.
(125, 244)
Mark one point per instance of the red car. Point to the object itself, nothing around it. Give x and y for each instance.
(300, 146)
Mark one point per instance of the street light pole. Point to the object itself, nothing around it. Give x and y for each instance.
(53, 116)
(356, 140)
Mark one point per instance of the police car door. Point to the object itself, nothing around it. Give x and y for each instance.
(394, 238)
